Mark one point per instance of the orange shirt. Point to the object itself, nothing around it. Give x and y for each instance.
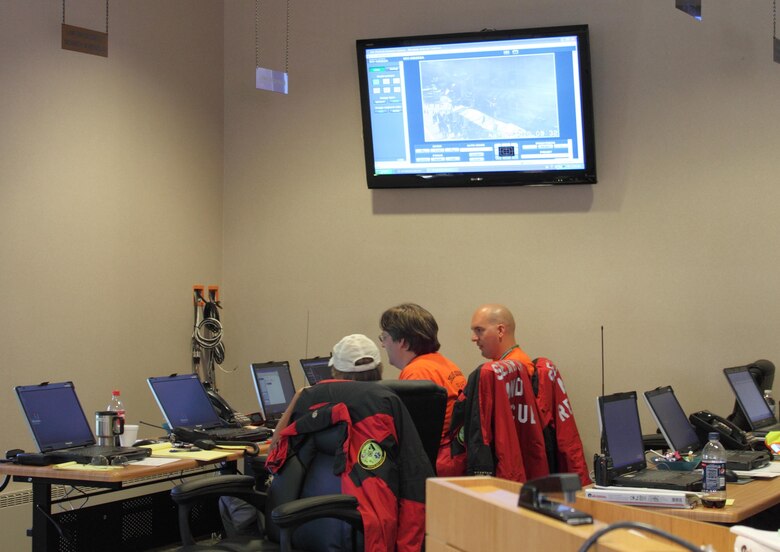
(441, 371)
(516, 353)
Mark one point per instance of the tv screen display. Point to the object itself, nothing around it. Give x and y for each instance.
(491, 108)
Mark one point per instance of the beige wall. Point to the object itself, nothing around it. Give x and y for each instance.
(674, 251)
(111, 186)
(111, 193)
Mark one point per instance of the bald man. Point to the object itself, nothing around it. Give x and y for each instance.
(493, 331)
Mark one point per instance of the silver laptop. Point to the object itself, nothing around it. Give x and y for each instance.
(750, 399)
(621, 435)
(681, 436)
(316, 369)
(274, 387)
(185, 404)
(59, 427)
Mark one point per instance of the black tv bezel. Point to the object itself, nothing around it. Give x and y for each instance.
(586, 175)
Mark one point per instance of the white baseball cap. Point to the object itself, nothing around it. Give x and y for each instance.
(351, 349)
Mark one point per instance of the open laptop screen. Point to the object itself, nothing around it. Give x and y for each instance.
(274, 387)
(678, 432)
(54, 416)
(183, 401)
(316, 369)
(621, 431)
(749, 397)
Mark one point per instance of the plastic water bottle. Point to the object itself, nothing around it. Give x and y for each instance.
(713, 473)
(116, 405)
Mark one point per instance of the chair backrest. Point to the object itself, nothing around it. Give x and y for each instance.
(311, 473)
(427, 404)
(342, 435)
(502, 433)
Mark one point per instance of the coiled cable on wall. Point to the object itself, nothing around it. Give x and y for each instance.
(207, 332)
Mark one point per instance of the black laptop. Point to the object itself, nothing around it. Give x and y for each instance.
(750, 399)
(61, 430)
(681, 436)
(316, 369)
(274, 387)
(184, 403)
(621, 435)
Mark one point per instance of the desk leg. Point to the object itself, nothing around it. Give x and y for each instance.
(41, 509)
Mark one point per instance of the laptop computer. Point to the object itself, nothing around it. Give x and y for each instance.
(681, 436)
(316, 369)
(274, 387)
(750, 399)
(59, 427)
(621, 435)
(184, 403)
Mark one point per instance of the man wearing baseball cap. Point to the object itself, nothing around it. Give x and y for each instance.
(355, 357)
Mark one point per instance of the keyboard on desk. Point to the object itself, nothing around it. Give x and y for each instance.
(239, 434)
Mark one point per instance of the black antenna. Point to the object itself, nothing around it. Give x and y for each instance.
(602, 360)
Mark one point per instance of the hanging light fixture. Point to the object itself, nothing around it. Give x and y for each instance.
(85, 41)
(691, 7)
(775, 40)
(268, 79)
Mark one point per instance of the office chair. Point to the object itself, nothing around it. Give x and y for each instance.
(501, 423)
(427, 405)
(341, 435)
(763, 372)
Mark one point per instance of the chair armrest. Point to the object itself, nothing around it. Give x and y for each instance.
(240, 486)
(338, 506)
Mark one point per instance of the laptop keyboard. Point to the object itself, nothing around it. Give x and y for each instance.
(239, 434)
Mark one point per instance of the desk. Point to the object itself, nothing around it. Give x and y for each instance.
(44, 534)
(749, 499)
(472, 514)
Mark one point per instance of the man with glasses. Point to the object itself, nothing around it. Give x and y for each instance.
(410, 337)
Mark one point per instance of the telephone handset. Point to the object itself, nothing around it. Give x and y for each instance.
(731, 436)
(225, 411)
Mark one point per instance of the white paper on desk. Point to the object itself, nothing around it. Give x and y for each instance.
(155, 461)
(767, 472)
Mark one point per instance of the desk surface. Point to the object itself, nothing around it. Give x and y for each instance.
(749, 499)
(111, 477)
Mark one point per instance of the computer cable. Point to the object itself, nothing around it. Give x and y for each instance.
(637, 525)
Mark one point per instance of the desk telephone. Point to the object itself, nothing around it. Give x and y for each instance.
(731, 436)
(228, 413)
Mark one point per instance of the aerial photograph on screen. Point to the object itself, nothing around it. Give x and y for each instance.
(490, 98)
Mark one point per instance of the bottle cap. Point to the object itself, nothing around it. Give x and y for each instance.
(115, 392)
(714, 436)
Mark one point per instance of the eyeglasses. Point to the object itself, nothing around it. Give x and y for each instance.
(103, 461)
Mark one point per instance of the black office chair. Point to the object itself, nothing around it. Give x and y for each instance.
(427, 405)
(311, 467)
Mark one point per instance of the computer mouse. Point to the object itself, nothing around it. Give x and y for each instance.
(731, 477)
(144, 442)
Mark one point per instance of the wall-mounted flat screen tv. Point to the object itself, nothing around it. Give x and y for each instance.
(490, 108)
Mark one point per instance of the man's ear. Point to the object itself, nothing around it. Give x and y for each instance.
(404, 344)
(500, 330)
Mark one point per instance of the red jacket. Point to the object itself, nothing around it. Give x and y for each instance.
(383, 463)
(502, 429)
(558, 419)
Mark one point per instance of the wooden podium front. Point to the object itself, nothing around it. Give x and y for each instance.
(474, 514)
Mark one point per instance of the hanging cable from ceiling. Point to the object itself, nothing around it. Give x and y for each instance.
(268, 79)
(775, 40)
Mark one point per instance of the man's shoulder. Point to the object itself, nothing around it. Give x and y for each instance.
(433, 363)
